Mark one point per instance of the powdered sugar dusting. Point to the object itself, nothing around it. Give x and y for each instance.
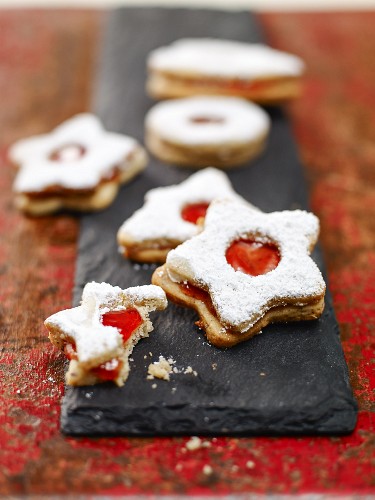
(224, 58)
(103, 151)
(240, 299)
(229, 120)
(160, 217)
(83, 323)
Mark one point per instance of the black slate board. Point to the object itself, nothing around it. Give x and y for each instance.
(291, 379)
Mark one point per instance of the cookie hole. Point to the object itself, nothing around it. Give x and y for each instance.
(205, 120)
(192, 212)
(68, 153)
(253, 257)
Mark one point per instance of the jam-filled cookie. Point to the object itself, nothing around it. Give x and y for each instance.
(77, 166)
(205, 66)
(201, 131)
(99, 335)
(246, 269)
(170, 215)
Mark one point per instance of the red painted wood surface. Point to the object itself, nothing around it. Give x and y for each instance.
(46, 61)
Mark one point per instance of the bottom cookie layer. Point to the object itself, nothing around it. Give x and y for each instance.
(216, 332)
(147, 252)
(221, 156)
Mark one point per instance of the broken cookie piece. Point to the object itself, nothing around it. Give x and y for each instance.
(160, 369)
(99, 335)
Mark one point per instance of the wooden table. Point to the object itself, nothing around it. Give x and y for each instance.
(46, 62)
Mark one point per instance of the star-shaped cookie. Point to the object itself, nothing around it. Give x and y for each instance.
(246, 269)
(99, 335)
(77, 166)
(170, 214)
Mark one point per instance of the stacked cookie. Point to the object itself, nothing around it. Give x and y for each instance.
(220, 127)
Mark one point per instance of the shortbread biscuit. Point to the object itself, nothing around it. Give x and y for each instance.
(170, 215)
(99, 335)
(78, 166)
(246, 269)
(205, 66)
(200, 131)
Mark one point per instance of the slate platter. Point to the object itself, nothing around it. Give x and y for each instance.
(290, 380)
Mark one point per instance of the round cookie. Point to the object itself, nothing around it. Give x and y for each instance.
(205, 66)
(202, 131)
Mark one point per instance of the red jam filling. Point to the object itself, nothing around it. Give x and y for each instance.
(68, 153)
(194, 292)
(70, 351)
(194, 211)
(109, 370)
(237, 84)
(126, 321)
(252, 257)
(204, 120)
(244, 85)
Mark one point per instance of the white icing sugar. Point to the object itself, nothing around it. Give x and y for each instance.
(160, 217)
(240, 299)
(232, 120)
(83, 323)
(102, 152)
(224, 58)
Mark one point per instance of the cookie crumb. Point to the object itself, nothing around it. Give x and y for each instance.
(207, 470)
(262, 374)
(194, 443)
(214, 366)
(160, 369)
(154, 386)
(189, 369)
(250, 464)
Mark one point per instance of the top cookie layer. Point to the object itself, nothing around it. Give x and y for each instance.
(208, 121)
(78, 154)
(160, 217)
(224, 59)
